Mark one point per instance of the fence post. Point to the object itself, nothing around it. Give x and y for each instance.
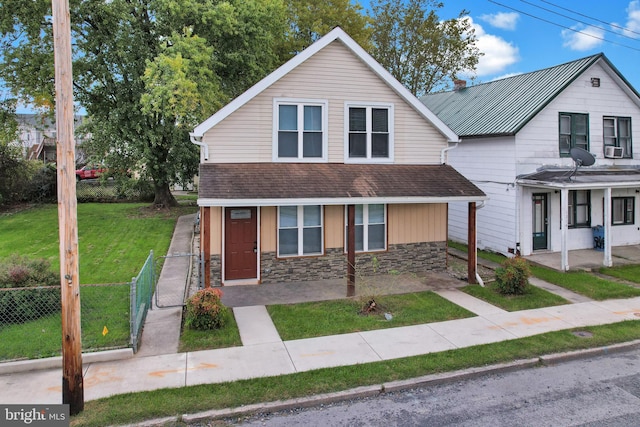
(152, 280)
(134, 315)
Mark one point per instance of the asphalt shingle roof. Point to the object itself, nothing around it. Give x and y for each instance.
(331, 180)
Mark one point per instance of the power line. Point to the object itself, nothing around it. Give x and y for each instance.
(591, 17)
(582, 22)
(563, 26)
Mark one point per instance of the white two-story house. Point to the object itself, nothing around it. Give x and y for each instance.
(516, 140)
(329, 129)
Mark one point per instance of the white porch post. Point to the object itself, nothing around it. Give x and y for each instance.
(607, 262)
(564, 215)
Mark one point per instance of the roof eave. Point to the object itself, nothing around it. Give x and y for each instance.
(341, 201)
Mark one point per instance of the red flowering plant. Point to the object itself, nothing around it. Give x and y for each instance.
(205, 311)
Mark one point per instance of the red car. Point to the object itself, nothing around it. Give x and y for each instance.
(90, 172)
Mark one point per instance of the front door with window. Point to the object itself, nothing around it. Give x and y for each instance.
(241, 243)
(540, 221)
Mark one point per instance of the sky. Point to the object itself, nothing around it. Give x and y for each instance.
(519, 36)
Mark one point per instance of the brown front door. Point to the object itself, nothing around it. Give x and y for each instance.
(241, 243)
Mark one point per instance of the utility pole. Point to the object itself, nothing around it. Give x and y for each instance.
(72, 381)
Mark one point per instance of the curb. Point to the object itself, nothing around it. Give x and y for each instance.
(56, 362)
(375, 390)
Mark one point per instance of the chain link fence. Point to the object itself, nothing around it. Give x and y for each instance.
(30, 320)
(110, 190)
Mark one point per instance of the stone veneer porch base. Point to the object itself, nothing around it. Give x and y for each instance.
(402, 258)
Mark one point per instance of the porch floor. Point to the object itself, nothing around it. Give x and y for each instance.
(588, 259)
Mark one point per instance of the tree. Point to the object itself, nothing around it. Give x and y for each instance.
(311, 19)
(419, 49)
(146, 71)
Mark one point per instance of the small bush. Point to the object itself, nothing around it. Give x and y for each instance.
(36, 298)
(205, 311)
(512, 278)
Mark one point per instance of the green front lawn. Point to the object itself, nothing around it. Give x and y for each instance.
(586, 283)
(114, 239)
(533, 298)
(114, 242)
(344, 316)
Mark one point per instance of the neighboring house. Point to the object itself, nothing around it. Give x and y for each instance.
(37, 137)
(328, 129)
(516, 139)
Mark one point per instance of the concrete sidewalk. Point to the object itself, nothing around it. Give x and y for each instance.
(265, 355)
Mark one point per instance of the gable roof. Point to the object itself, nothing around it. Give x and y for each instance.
(337, 34)
(269, 184)
(503, 107)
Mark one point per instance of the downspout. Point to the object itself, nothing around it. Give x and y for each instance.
(444, 150)
(198, 141)
(478, 278)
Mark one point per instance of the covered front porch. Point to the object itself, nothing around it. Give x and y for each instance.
(588, 259)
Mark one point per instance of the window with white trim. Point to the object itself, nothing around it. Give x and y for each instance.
(300, 130)
(617, 133)
(622, 210)
(300, 231)
(369, 132)
(371, 228)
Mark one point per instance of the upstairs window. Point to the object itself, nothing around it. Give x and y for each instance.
(617, 133)
(300, 130)
(369, 133)
(574, 132)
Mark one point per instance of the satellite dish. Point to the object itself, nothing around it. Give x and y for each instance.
(582, 157)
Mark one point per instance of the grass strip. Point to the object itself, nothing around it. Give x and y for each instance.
(629, 273)
(194, 340)
(534, 297)
(586, 284)
(135, 407)
(344, 316)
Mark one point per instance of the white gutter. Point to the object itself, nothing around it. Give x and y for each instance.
(444, 150)
(198, 141)
(478, 278)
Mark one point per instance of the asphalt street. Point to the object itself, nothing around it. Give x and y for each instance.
(600, 391)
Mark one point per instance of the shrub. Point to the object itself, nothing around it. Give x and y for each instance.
(205, 311)
(35, 299)
(512, 278)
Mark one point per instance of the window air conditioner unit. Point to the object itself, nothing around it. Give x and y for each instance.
(613, 152)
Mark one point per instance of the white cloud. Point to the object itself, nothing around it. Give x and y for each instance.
(633, 20)
(498, 53)
(581, 37)
(502, 20)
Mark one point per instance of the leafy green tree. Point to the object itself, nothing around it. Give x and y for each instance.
(311, 19)
(146, 71)
(419, 49)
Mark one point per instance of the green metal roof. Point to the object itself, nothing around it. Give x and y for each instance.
(503, 107)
